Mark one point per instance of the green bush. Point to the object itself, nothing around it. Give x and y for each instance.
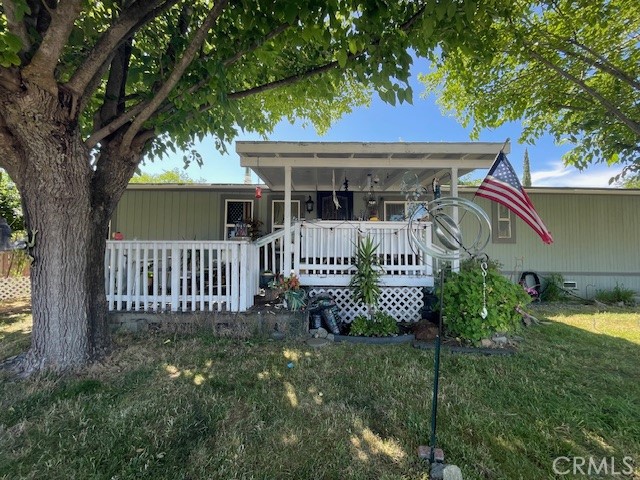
(463, 302)
(617, 295)
(553, 290)
(382, 325)
(365, 282)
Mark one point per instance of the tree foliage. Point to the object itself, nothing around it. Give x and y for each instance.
(567, 67)
(174, 175)
(10, 207)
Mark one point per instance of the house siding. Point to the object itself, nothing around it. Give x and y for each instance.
(596, 233)
(595, 241)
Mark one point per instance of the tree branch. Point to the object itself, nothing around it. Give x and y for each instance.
(10, 79)
(281, 82)
(42, 66)
(602, 63)
(405, 26)
(128, 22)
(164, 91)
(16, 26)
(107, 130)
(113, 104)
(609, 107)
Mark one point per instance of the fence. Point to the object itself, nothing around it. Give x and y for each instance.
(181, 275)
(327, 252)
(14, 275)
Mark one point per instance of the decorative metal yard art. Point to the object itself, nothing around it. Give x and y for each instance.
(455, 243)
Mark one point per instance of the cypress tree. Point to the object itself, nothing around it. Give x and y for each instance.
(526, 171)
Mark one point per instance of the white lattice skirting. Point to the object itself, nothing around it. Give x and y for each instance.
(403, 303)
(15, 287)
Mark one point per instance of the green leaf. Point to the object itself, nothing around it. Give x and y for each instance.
(341, 56)
(12, 42)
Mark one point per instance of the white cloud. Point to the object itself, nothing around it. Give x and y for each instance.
(563, 176)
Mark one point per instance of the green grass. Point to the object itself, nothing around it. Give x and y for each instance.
(198, 407)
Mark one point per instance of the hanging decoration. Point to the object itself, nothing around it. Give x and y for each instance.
(336, 203)
(258, 192)
(435, 185)
(484, 313)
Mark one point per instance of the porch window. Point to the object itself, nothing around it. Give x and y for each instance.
(503, 224)
(236, 211)
(395, 210)
(277, 213)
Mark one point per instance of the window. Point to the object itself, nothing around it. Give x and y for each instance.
(503, 224)
(236, 211)
(395, 210)
(277, 213)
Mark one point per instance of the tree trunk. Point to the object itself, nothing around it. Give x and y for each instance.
(56, 181)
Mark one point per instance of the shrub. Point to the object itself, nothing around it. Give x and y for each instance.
(382, 325)
(463, 302)
(366, 280)
(554, 288)
(617, 295)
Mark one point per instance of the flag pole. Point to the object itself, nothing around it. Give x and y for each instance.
(504, 145)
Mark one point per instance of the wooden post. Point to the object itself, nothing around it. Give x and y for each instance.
(455, 264)
(175, 277)
(244, 270)
(287, 220)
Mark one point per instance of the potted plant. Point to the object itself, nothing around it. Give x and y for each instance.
(366, 280)
(293, 295)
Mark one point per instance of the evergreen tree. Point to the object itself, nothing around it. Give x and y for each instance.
(526, 170)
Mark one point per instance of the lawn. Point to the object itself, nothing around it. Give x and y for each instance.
(200, 407)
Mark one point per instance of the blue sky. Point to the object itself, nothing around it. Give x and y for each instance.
(381, 122)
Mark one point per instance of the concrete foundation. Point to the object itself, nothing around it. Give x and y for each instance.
(236, 325)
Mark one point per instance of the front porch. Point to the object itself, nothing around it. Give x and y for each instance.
(184, 276)
(348, 181)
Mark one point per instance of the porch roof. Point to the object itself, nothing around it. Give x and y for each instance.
(313, 162)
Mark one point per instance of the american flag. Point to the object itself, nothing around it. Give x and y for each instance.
(502, 185)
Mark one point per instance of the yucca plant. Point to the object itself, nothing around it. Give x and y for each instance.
(366, 280)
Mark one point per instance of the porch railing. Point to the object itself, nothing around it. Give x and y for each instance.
(327, 252)
(181, 275)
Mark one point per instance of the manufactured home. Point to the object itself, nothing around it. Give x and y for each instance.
(204, 246)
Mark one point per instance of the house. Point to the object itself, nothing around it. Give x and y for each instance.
(191, 241)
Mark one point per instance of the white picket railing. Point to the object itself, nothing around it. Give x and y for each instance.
(327, 252)
(271, 251)
(181, 275)
(224, 275)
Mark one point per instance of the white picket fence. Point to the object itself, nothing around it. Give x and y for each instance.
(181, 275)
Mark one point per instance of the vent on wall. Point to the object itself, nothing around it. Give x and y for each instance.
(570, 285)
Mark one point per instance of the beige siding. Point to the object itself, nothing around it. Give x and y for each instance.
(169, 215)
(596, 240)
(596, 235)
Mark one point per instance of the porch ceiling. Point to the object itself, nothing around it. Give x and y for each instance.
(313, 162)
